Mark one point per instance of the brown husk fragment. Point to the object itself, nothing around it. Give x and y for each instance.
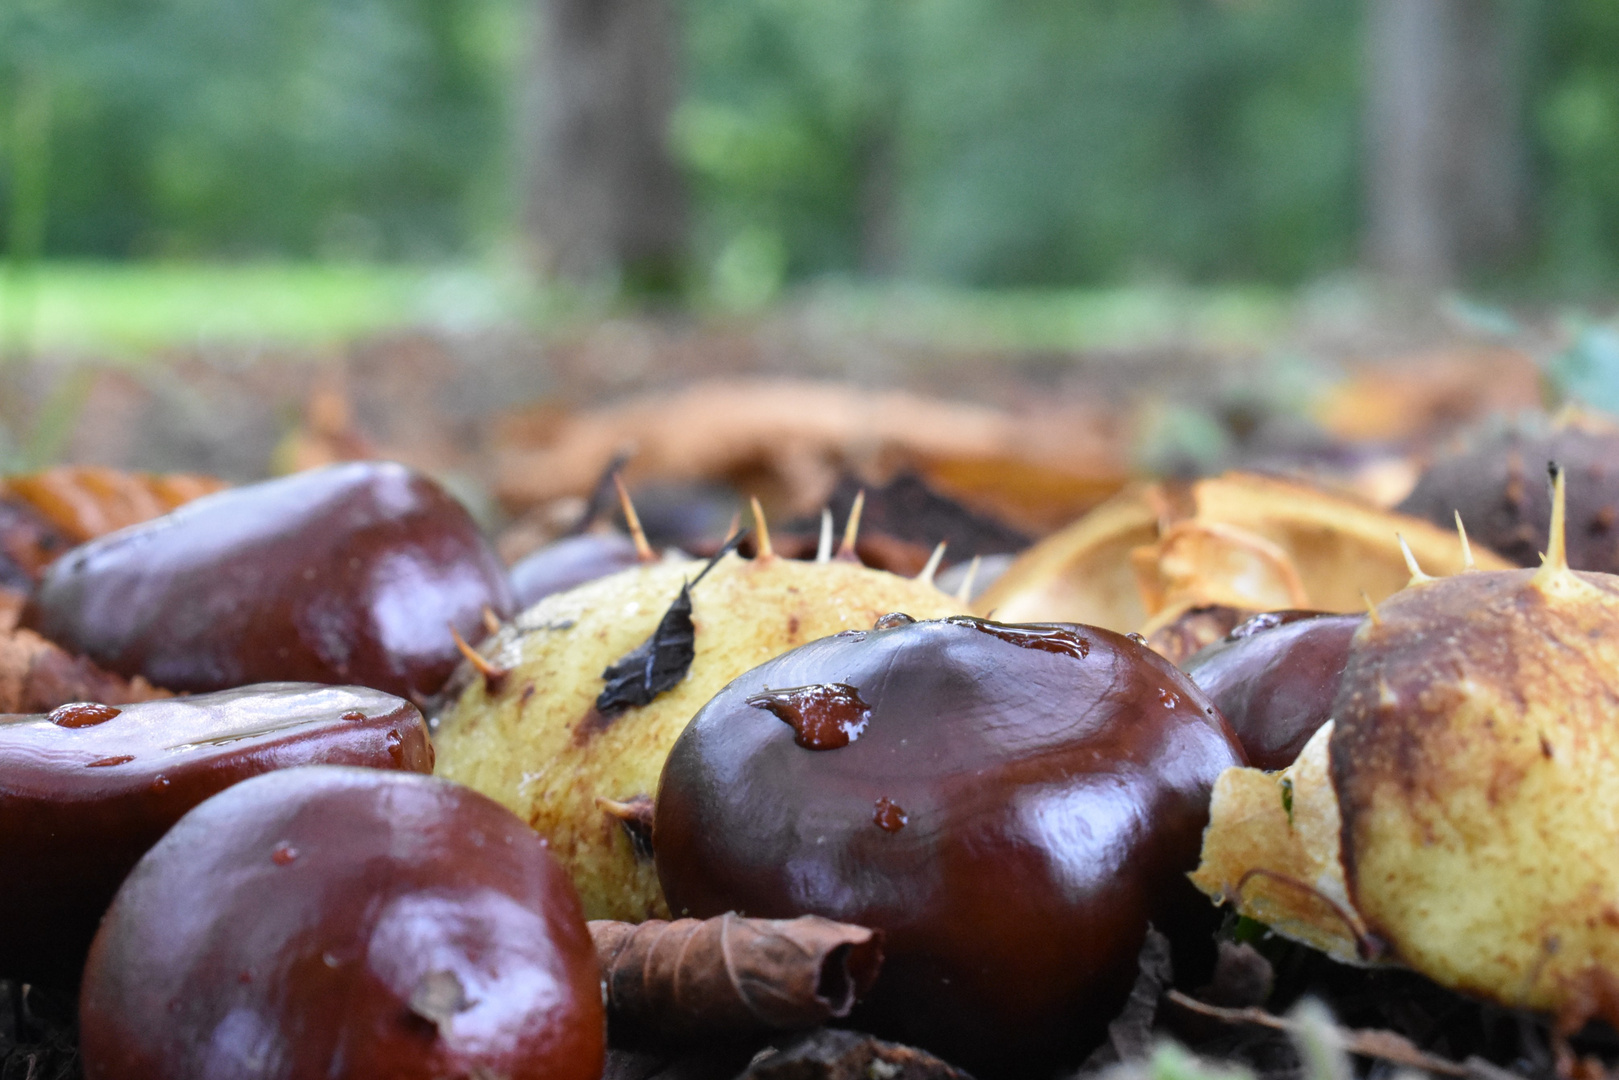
(908, 509)
(730, 975)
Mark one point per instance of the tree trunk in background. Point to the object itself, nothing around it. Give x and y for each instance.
(604, 197)
(1445, 171)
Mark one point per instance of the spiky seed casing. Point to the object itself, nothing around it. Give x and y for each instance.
(1476, 765)
(1497, 485)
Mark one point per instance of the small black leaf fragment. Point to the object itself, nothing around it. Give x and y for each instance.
(662, 660)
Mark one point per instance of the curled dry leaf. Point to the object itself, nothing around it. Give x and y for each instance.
(1241, 541)
(730, 975)
(37, 675)
(788, 441)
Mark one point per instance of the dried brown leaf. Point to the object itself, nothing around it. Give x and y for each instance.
(732, 975)
(37, 675)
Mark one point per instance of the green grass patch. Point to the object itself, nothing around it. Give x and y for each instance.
(126, 311)
(129, 309)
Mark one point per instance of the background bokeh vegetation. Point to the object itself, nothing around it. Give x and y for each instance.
(1016, 142)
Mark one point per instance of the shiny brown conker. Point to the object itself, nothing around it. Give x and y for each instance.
(349, 574)
(1010, 805)
(569, 562)
(346, 923)
(1274, 677)
(86, 789)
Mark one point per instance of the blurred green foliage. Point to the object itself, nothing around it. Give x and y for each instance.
(1576, 119)
(1033, 140)
(996, 142)
(247, 127)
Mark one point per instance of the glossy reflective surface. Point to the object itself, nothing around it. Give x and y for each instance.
(1274, 678)
(1015, 810)
(349, 574)
(344, 923)
(84, 794)
(826, 716)
(566, 563)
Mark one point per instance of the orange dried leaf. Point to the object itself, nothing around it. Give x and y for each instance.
(89, 501)
(787, 442)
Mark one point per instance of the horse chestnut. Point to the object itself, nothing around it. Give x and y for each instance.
(86, 789)
(348, 574)
(1011, 805)
(344, 923)
(1273, 679)
(568, 563)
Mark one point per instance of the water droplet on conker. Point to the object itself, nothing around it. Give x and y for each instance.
(826, 716)
(80, 714)
(888, 816)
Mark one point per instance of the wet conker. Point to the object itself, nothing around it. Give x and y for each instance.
(538, 740)
(348, 574)
(1011, 805)
(344, 923)
(570, 562)
(1274, 677)
(86, 789)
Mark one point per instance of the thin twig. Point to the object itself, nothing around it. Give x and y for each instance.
(1372, 1043)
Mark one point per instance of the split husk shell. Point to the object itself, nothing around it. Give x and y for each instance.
(1243, 541)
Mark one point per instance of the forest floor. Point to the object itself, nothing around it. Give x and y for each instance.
(224, 369)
